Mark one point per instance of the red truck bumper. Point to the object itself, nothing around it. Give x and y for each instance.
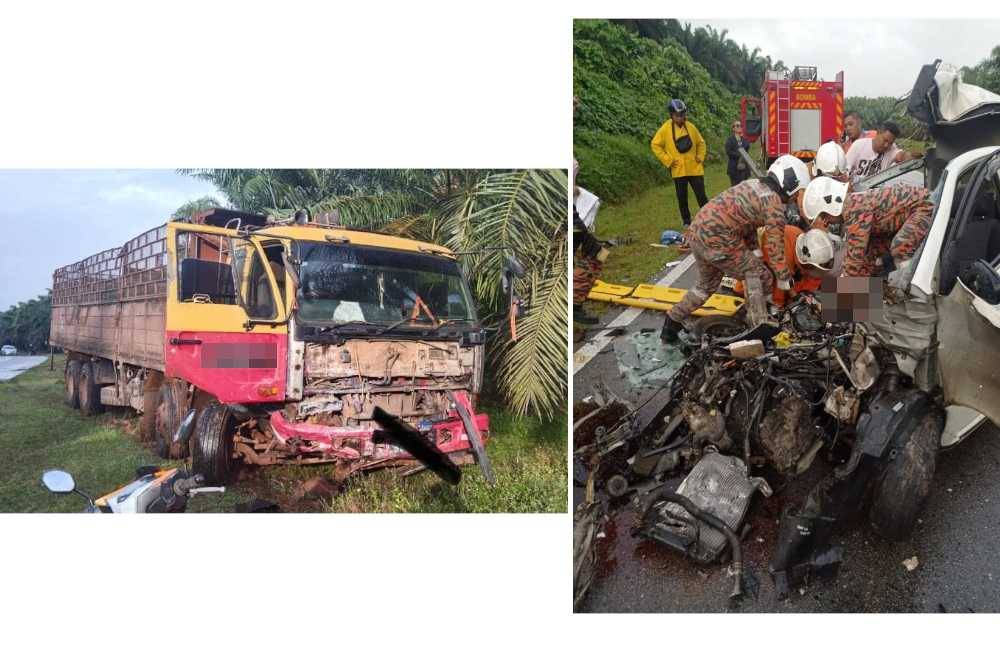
(353, 443)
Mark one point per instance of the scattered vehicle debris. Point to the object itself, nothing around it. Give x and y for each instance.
(876, 401)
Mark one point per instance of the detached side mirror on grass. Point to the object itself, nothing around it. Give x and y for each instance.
(58, 481)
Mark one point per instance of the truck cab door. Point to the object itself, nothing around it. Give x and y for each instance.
(969, 297)
(226, 329)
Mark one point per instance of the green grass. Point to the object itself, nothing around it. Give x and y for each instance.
(645, 217)
(102, 453)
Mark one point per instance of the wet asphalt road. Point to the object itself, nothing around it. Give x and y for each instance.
(957, 542)
(12, 366)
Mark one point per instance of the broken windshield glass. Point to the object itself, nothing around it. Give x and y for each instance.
(347, 283)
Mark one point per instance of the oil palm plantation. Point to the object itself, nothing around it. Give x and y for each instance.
(484, 215)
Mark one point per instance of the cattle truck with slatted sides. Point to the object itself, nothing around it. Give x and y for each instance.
(795, 113)
(282, 339)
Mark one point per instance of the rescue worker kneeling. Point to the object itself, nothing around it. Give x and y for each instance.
(722, 238)
(810, 256)
(883, 227)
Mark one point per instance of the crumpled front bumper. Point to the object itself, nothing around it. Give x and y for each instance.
(356, 443)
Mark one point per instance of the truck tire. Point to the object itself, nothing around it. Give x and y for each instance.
(906, 482)
(73, 384)
(89, 391)
(170, 409)
(212, 452)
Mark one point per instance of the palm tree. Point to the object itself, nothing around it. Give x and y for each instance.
(485, 216)
(192, 206)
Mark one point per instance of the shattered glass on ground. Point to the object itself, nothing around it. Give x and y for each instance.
(644, 361)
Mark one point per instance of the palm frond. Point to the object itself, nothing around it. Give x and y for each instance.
(532, 371)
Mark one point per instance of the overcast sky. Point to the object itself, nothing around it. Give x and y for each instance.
(49, 218)
(879, 56)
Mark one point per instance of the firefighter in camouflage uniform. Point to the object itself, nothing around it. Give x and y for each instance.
(723, 236)
(883, 227)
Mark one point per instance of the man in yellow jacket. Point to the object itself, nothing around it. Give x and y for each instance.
(681, 148)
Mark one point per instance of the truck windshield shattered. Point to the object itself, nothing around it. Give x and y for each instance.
(345, 284)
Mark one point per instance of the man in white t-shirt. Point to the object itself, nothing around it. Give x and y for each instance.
(870, 155)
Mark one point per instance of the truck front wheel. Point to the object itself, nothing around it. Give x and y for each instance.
(73, 384)
(212, 451)
(89, 391)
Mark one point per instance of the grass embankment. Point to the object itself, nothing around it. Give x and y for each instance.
(645, 217)
(38, 431)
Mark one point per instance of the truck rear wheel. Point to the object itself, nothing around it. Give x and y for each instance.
(169, 412)
(73, 384)
(904, 488)
(212, 452)
(89, 391)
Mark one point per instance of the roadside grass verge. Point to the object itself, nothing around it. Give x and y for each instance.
(39, 431)
(645, 217)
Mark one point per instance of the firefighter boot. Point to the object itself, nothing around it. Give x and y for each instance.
(670, 330)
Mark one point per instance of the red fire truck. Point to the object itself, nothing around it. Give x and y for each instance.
(795, 114)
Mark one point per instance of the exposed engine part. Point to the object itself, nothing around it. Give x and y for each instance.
(320, 404)
(787, 432)
(709, 520)
(708, 426)
(717, 485)
(842, 405)
(616, 486)
(803, 318)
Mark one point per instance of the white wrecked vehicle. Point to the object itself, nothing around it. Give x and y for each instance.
(941, 323)
(878, 399)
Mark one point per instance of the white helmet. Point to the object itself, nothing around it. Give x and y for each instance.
(824, 194)
(830, 160)
(791, 173)
(815, 247)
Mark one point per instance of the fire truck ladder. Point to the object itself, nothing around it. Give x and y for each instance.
(784, 103)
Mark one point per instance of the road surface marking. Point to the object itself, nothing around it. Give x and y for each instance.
(586, 353)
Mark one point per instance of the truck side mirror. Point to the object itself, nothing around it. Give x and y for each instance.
(512, 270)
(58, 481)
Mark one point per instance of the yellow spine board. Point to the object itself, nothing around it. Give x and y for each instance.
(661, 298)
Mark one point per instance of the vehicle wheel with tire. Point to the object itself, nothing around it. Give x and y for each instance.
(212, 451)
(906, 482)
(72, 375)
(89, 391)
(170, 409)
(718, 326)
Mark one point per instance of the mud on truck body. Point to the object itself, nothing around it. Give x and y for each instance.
(878, 400)
(268, 344)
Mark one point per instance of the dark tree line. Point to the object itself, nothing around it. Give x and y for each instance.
(26, 325)
(737, 67)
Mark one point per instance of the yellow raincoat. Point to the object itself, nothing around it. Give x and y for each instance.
(689, 164)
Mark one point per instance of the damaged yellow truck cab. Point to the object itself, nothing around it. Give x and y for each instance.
(242, 341)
